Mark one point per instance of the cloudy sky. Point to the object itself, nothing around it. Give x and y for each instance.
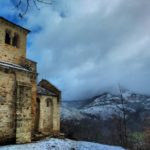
(86, 47)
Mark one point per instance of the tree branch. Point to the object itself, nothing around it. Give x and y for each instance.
(26, 5)
(41, 1)
(18, 4)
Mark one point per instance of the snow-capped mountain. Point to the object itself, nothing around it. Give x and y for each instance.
(105, 106)
(70, 112)
(100, 118)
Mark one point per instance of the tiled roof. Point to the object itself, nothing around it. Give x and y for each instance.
(10, 65)
(43, 91)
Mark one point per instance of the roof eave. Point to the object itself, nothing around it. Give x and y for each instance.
(27, 30)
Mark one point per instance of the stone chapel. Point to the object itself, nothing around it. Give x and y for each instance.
(26, 108)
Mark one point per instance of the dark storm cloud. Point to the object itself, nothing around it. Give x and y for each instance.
(90, 50)
(88, 46)
(96, 46)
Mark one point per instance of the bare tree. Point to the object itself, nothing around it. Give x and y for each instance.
(122, 123)
(24, 5)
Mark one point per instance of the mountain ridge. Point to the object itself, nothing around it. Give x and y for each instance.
(106, 101)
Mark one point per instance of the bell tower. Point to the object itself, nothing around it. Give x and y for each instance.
(12, 41)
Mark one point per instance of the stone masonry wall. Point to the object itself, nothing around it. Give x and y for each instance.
(23, 108)
(31, 66)
(23, 113)
(56, 115)
(7, 106)
(15, 105)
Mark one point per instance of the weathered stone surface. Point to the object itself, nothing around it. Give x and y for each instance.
(23, 112)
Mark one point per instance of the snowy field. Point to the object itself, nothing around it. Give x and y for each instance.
(57, 144)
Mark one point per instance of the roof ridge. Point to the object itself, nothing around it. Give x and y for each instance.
(15, 24)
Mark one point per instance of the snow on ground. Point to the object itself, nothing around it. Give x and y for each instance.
(58, 144)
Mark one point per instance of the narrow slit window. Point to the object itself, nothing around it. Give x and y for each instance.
(15, 41)
(7, 37)
(47, 103)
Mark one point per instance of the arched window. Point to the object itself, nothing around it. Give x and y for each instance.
(48, 102)
(8, 37)
(15, 41)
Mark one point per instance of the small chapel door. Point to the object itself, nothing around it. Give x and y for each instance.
(37, 116)
(49, 115)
